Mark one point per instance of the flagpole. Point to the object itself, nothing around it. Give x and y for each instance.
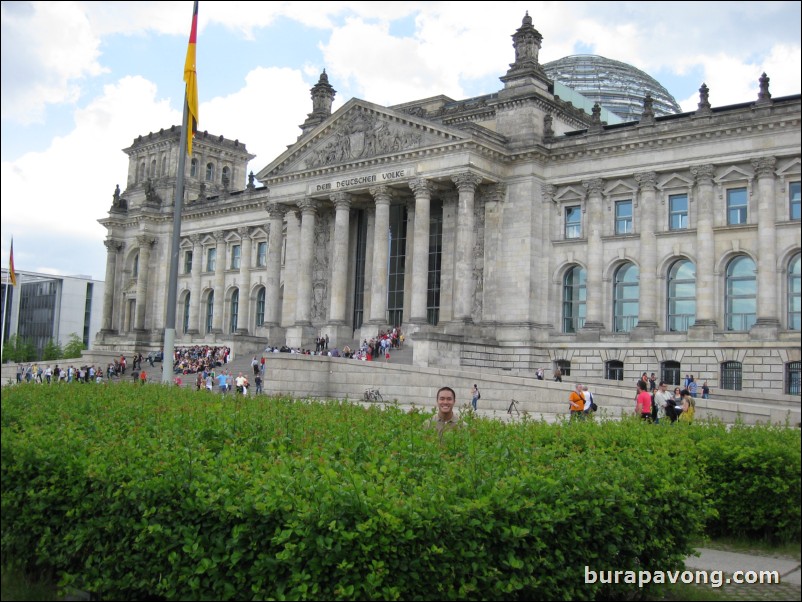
(168, 352)
(5, 309)
(175, 249)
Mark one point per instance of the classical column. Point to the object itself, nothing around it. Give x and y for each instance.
(273, 276)
(303, 308)
(244, 319)
(647, 305)
(595, 261)
(113, 248)
(381, 244)
(193, 323)
(767, 294)
(705, 250)
(408, 283)
(145, 242)
(422, 189)
(219, 283)
(463, 301)
(339, 268)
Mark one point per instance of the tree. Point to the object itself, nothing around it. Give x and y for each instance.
(52, 351)
(18, 350)
(74, 347)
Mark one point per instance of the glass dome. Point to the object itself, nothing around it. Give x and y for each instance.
(616, 86)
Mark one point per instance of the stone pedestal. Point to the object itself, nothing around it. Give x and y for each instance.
(301, 336)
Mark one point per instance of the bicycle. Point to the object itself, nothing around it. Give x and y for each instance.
(372, 395)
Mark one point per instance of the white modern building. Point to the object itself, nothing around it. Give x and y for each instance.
(505, 232)
(44, 307)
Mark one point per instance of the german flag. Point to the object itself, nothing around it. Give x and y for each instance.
(191, 79)
(12, 276)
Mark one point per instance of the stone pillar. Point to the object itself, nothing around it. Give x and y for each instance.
(647, 304)
(246, 246)
(594, 219)
(303, 309)
(145, 242)
(195, 285)
(422, 189)
(768, 298)
(339, 270)
(463, 300)
(113, 248)
(705, 255)
(219, 283)
(273, 275)
(381, 243)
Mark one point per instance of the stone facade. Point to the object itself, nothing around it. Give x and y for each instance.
(508, 232)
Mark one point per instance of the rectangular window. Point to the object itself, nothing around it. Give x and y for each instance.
(188, 262)
(261, 254)
(794, 200)
(678, 212)
(236, 253)
(573, 222)
(623, 217)
(211, 259)
(736, 206)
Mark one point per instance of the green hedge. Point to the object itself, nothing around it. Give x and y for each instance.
(133, 492)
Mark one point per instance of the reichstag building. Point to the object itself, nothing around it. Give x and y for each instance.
(506, 232)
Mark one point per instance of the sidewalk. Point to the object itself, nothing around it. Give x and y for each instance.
(789, 588)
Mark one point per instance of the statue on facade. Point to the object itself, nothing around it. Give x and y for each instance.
(151, 196)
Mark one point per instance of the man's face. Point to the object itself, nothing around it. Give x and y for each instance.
(445, 401)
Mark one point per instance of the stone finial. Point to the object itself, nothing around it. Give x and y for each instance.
(764, 96)
(322, 96)
(703, 108)
(526, 41)
(595, 120)
(647, 116)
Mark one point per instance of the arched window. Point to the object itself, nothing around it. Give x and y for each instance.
(625, 298)
(193, 168)
(670, 372)
(152, 173)
(731, 376)
(234, 310)
(209, 311)
(164, 165)
(135, 267)
(226, 174)
(141, 173)
(741, 294)
(614, 370)
(186, 313)
(681, 296)
(574, 298)
(794, 293)
(260, 307)
(210, 172)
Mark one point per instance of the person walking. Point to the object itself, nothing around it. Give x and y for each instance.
(475, 396)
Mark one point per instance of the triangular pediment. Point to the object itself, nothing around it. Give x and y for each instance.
(360, 131)
(569, 193)
(734, 174)
(790, 168)
(620, 188)
(674, 180)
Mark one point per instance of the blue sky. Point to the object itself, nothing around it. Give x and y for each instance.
(80, 80)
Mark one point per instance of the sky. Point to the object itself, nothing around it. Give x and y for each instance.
(81, 80)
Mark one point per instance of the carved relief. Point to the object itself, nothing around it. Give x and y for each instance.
(363, 135)
(320, 267)
(478, 261)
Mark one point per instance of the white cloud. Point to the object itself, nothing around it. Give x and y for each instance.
(46, 47)
(63, 190)
(265, 114)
